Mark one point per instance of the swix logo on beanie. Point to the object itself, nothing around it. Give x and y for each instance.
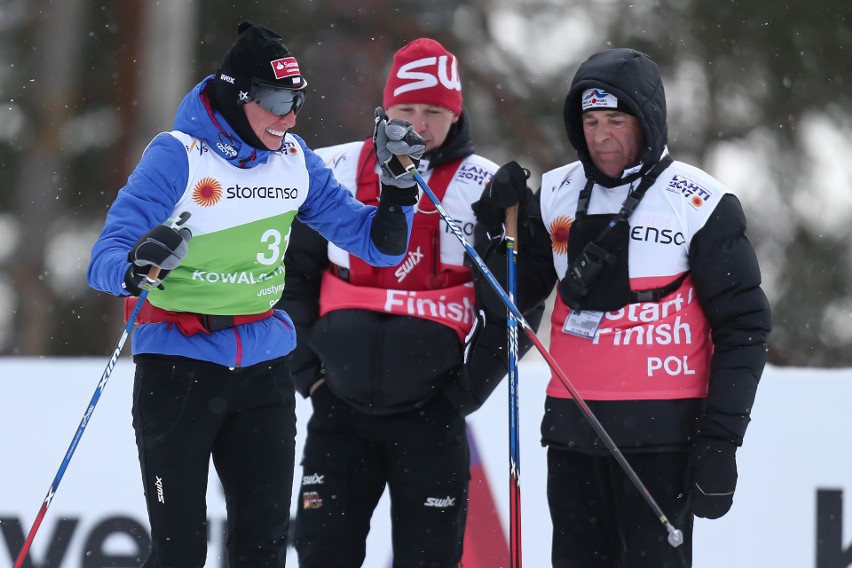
(423, 72)
(421, 75)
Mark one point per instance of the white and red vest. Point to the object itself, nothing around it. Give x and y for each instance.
(645, 350)
(432, 281)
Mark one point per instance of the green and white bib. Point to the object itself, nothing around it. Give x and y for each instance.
(240, 223)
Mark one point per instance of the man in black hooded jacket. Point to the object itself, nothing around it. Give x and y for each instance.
(659, 322)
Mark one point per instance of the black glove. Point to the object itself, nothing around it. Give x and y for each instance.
(163, 247)
(392, 138)
(459, 388)
(486, 360)
(714, 477)
(507, 187)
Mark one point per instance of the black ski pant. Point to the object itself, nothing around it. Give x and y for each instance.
(184, 412)
(422, 455)
(601, 521)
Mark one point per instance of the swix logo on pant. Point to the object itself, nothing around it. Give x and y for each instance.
(440, 502)
(159, 484)
(313, 479)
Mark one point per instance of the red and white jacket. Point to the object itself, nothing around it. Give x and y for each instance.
(432, 281)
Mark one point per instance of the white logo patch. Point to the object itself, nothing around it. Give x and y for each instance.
(447, 74)
(596, 98)
(440, 502)
(313, 479)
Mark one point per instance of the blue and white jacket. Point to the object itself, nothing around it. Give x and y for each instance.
(242, 201)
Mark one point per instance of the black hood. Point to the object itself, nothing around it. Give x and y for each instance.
(634, 78)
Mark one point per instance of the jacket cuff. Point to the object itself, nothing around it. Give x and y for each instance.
(393, 195)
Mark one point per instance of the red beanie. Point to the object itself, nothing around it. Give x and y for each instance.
(425, 73)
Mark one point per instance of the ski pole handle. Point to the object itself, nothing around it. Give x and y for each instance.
(405, 160)
(511, 224)
(154, 271)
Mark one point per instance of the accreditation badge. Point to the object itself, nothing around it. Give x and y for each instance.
(583, 324)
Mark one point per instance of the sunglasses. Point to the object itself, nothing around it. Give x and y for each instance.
(279, 102)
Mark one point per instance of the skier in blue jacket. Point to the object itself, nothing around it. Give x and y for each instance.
(211, 375)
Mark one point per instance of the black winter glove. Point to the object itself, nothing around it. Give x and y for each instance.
(163, 247)
(508, 187)
(486, 360)
(480, 365)
(392, 138)
(714, 477)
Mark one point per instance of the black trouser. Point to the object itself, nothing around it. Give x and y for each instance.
(601, 521)
(184, 411)
(423, 457)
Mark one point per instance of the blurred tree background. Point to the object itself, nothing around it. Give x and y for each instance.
(759, 95)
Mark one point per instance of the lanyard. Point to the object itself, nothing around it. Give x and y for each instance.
(630, 202)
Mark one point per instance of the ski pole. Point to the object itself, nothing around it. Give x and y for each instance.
(515, 551)
(675, 536)
(151, 280)
(152, 277)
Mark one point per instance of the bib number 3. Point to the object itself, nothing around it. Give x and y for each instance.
(273, 253)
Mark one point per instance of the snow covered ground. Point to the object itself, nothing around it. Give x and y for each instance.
(794, 468)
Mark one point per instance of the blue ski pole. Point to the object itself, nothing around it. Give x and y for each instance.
(515, 551)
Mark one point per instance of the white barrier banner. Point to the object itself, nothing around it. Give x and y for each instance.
(789, 509)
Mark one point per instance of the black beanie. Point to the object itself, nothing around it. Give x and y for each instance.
(258, 54)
